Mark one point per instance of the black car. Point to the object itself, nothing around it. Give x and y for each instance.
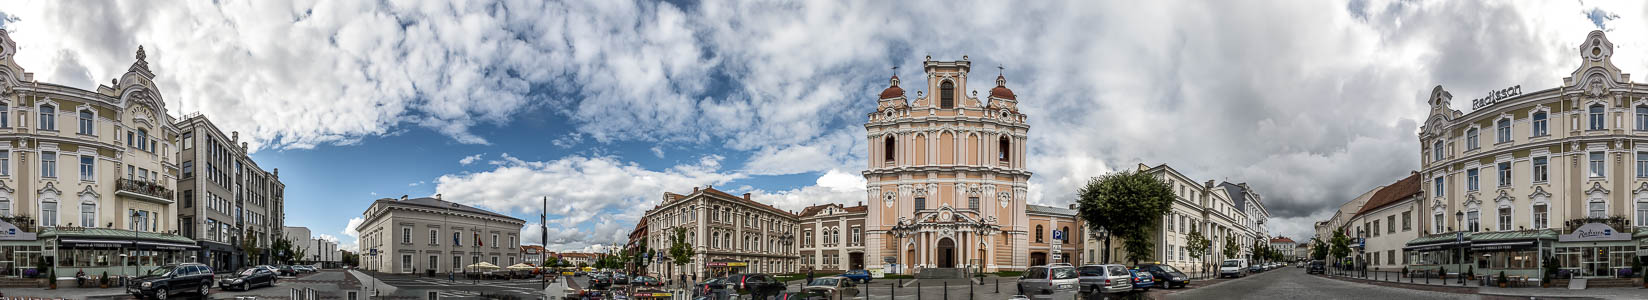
(599, 281)
(759, 286)
(167, 280)
(248, 279)
(286, 271)
(1316, 267)
(1166, 276)
(710, 287)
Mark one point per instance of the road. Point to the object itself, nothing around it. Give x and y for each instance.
(1293, 283)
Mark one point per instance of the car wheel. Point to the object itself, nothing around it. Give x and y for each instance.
(203, 289)
(161, 293)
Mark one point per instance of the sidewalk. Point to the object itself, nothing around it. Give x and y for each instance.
(1554, 292)
(65, 293)
(367, 282)
(1474, 287)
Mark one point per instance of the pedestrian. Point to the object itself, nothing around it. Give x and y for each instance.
(809, 275)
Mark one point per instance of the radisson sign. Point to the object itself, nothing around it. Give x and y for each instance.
(1495, 96)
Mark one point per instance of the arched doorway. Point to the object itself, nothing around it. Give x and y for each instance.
(1038, 258)
(946, 253)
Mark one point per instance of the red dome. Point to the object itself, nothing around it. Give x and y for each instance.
(1001, 90)
(892, 91)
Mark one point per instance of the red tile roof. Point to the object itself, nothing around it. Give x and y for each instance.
(1401, 189)
(1281, 240)
(892, 91)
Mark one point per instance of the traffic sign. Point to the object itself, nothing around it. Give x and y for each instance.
(1058, 235)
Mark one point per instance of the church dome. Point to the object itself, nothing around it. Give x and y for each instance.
(1001, 90)
(892, 91)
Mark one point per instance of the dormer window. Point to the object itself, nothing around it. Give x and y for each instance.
(946, 95)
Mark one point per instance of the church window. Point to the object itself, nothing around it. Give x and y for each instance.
(947, 95)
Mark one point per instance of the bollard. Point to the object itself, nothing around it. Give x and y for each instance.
(946, 290)
(970, 289)
(998, 285)
(918, 290)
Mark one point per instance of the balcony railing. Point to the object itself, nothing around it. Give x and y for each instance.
(145, 188)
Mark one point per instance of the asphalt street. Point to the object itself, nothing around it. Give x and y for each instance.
(1293, 283)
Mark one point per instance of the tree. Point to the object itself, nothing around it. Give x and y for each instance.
(250, 247)
(1197, 245)
(1339, 246)
(1318, 249)
(680, 251)
(1128, 205)
(1231, 249)
(350, 258)
(552, 261)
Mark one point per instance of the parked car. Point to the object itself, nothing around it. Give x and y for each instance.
(646, 281)
(1316, 267)
(168, 280)
(710, 288)
(1142, 281)
(1233, 268)
(860, 276)
(599, 281)
(1255, 269)
(759, 286)
(247, 279)
(833, 287)
(1048, 279)
(304, 269)
(620, 278)
(1106, 279)
(286, 271)
(1166, 276)
(802, 295)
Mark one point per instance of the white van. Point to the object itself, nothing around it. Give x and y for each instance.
(1233, 268)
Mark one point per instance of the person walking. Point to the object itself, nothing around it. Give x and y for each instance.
(809, 276)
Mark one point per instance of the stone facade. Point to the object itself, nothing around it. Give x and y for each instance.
(728, 234)
(226, 200)
(832, 237)
(415, 235)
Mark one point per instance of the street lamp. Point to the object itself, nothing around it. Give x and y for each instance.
(1459, 217)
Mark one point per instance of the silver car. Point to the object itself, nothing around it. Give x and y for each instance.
(1108, 279)
(1049, 279)
(835, 287)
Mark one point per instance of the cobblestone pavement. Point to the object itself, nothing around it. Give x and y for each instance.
(1288, 283)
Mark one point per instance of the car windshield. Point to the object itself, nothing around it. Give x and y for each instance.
(1064, 273)
(1169, 269)
(248, 272)
(162, 271)
(1230, 263)
(823, 282)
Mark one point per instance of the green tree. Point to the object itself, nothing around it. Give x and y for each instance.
(1198, 245)
(1339, 246)
(1231, 247)
(680, 251)
(350, 258)
(250, 247)
(1318, 249)
(551, 261)
(1129, 205)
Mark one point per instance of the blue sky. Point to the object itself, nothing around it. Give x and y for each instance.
(605, 105)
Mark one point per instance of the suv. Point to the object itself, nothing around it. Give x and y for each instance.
(1048, 279)
(1316, 267)
(1166, 276)
(166, 280)
(759, 286)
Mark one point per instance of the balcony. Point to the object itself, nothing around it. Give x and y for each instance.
(144, 190)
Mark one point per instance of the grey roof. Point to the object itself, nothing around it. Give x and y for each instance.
(1049, 210)
(442, 204)
(1237, 194)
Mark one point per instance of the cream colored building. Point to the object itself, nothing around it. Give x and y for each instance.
(729, 234)
(1205, 207)
(1386, 223)
(832, 237)
(1526, 168)
(946, 177)
(412, 236)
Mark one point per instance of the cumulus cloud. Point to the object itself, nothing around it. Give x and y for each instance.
(353, 244)
(470, 159)
(835, 187)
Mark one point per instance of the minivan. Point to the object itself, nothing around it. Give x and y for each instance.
(1107, 279)
(1048, 279)
(1233, 268)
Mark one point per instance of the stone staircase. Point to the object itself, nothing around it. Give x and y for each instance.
(1610, 283)
(19, 282)
(942, 273)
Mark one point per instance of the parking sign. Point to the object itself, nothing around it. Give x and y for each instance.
(1058, 234)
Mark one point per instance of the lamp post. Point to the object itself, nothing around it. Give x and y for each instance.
(133, 257)
(1459, 218)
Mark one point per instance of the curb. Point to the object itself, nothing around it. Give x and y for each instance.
(1411, 286)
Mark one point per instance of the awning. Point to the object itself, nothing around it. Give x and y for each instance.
(1504, 245)
(169, 246)
(79, 243)
(1436, 246)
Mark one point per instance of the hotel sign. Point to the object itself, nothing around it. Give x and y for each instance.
(1495, 96)
(9, 232)
(1594, 232)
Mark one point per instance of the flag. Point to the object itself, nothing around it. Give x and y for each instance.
(478, 241)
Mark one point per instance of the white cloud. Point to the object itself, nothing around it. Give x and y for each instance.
(835, 186)
(353, 244)
(470, 159)
(658, 151)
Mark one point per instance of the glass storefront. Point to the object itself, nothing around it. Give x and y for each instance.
(1594, 261)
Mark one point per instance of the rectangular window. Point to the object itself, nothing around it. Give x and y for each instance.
(188, 140)
(1541, 170)
(1642, 213)
(1539, 127)
(85, 122)
(1539, 216)
(1596, 165)
(87, 168)
(1502, 131)
(48, 117)
(921, 203)
(1407, 221)
(406, 263)
(48, 214)
(88, 215)
(1595, 115)
(1390, 224)
(1505, 174)
(1436, 151)
(1438, 190)
(1472, 219)
(1438, 220)
(973, 202)
(1598, 210)
(434, 238)
(48, 164)
(1471, 140)
(1642, 164)
(1374, 230)
(457, 262)
(5, 163)
(188, 169)
(1504, 218)
(406, 235)
(1642, 117)
(1470, 179)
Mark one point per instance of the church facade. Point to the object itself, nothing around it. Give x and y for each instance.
(947, 181)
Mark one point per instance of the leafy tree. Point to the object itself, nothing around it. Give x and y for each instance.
(350, 258)
(680, 251)
(1129, 205)
(1231, 249)
(1318, 249)
(250, 247)
(582, 265)
(552, 261)
(282, 249)
(1339, 246)
(1197, 245)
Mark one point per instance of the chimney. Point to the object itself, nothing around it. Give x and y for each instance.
(277, 172)
(1072, 206)
(746, 196)
(695, 190)
(861, 203)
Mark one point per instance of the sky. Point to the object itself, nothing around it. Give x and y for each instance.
(602, 106)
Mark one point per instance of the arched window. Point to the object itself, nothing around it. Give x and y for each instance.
(85, 122)
(1039, 234)
(48, 117)
(889, 149)
(1595, 116)
(1003, 148)
(1539, 128)
(946, 94)
(1066, 236)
